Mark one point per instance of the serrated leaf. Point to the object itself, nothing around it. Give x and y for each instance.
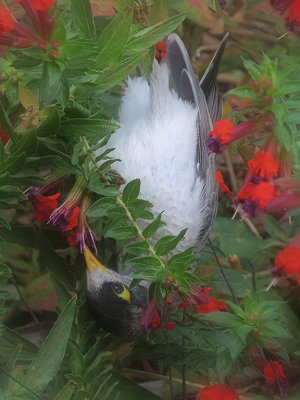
(244, 91)
(113, 38)
(131, 191)
(77, 127)
(82, 18)
(149, 36)
(100, 207)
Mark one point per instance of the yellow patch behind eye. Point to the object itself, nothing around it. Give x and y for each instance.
(125, 295)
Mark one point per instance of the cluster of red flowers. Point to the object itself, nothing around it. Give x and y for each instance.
(12, 33)
(218, 392)
(275, 376)
(69, 216)
(290, 10)
(160, 51)
(258, 191)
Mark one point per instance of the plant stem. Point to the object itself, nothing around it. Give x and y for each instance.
(223, 273)
(21, 384)
(162, 377)
(140, 233)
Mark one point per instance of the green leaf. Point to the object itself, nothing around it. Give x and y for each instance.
(14, 164)
(115, 75)
(50, 125)
(149, 36)
(289, 87)
(153, 227)
(46, 363)
(244, 91)
(137, 248)
(274, 229)
(121, 232)
(168, 243)
(113, 38)
(27, 144)
(77, 127)
(131, 191)
(5, 124)
(100, 207)
(82, 18)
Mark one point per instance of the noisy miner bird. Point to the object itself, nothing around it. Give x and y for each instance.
(162, 141)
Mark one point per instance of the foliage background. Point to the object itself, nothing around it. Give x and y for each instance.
(42, 279)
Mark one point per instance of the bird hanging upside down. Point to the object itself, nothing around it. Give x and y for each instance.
(162, 141)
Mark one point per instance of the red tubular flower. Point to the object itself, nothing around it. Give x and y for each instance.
(6, 20)
(82, 236)
(42, 5)
(263, 165)
(212, 306)
(288, 261)
(272, 368)
(219, 178)
(194, 299)
(256, 196)
(44, 206)
(220, 135)
(218, 392)
(160, 50)
(294, 12)
(72, 218)
(4, 137)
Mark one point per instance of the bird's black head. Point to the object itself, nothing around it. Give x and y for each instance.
(117, 308)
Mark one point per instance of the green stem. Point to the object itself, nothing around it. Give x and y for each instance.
(140, 233)
(162, 377)
(120, 202)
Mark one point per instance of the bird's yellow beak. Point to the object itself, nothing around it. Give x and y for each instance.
(92, 262)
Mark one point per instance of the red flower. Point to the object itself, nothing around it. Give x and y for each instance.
(212, 306)
(263, 165)
(218, 392)
(274, 367)
(194, 299)
(254, 196)
(72, 218)
(156, 322)
(223, 130)
(222, 185)
(72, 239)
(41, 5)
(294, 12)
(4, 137)
(44, 205)
(6, 20)
(161, 50)
(288, 261)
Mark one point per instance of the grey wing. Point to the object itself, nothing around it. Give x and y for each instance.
(206, 99)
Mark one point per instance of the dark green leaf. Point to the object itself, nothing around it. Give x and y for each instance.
(168, 243)
(6, 125)
(100, 207)
(113, 38)
(121, 232)
(131, 191)
(82, 18)
(153, 227)
(137, 248)
(27, 144)
(39, 372)
(50, 125)
(77, 127)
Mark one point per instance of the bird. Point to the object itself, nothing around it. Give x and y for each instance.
(162, 141)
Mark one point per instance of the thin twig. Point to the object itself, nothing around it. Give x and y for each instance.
(167, 334)
(223, 273)
(162, 377)
(232, 176)
(253, 275)
(183, 367)
(252, 227)
(21, 384)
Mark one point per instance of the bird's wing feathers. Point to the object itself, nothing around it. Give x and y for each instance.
(208, 102)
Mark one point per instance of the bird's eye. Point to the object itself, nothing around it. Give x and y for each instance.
(121, 291)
